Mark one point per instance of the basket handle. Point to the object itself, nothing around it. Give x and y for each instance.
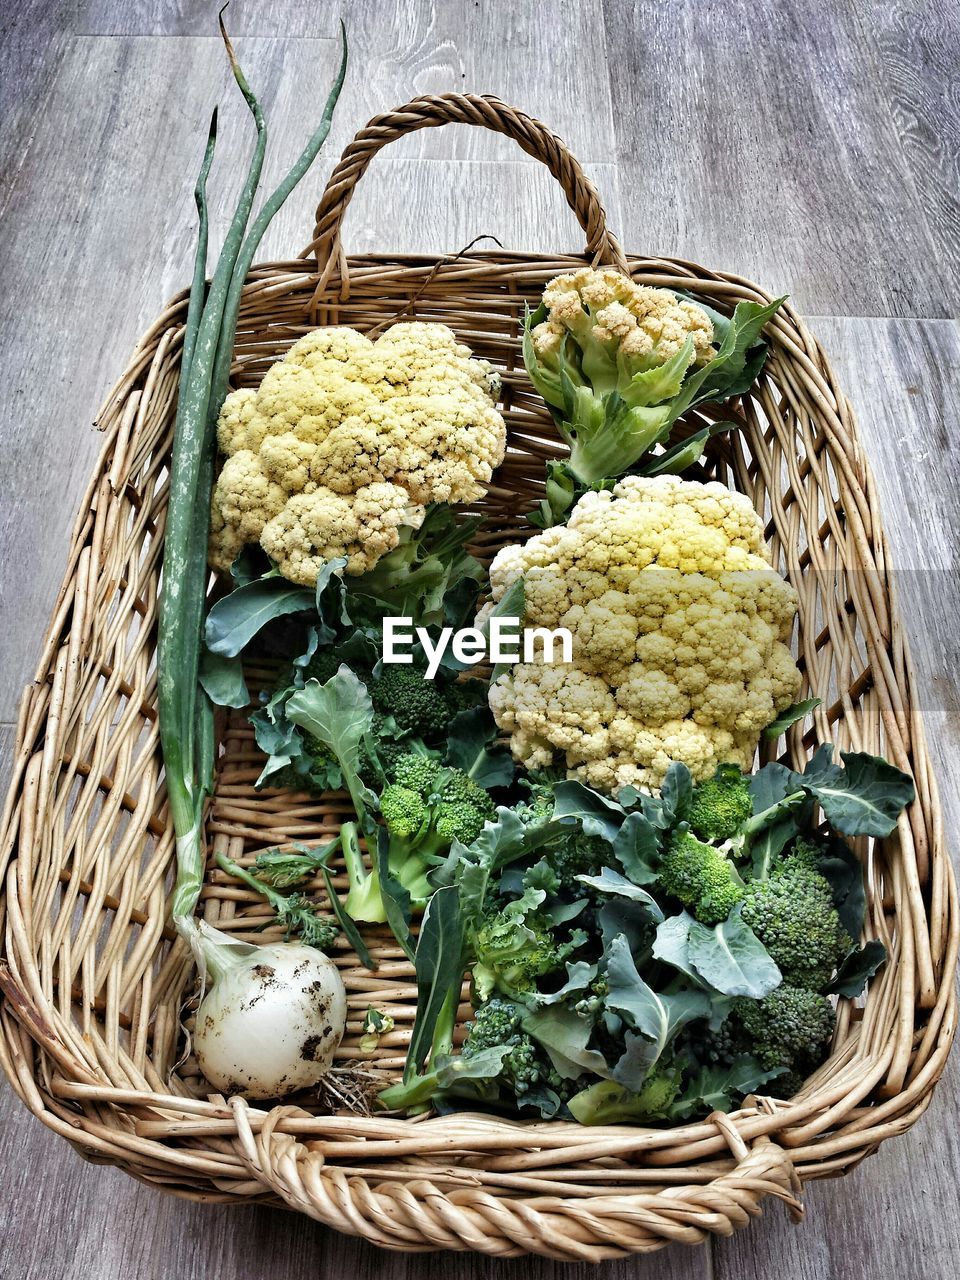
(452, 1210)
(459, 108)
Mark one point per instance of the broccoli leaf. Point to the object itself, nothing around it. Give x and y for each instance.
(469, 740)
(843, 872)
(769, 843)
(511, 605)
(716, 1088)
(677, 791)
(657, 1017)
(599, 815)
(621, 915)
(439, 966)
(611, 882)
(864, 798)
(731, 958)
(222, 680)
(233, 621)
(771, 785)
(857, 967)
(789, 717)
(394, 895)
(564, 1035)
(579, 976)
(340, 714)
(636, 848)
(672, 944)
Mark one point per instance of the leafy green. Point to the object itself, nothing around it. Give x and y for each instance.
(797, 711)
(731, 958)
(857, 967)
(235, 619)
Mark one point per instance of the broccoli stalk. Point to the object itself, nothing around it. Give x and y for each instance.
(363, 901)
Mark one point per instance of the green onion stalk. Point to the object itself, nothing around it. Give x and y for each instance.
(185, 713)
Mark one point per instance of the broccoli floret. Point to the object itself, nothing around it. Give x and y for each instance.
(700, 877)
(459, 820)
(514, 951)
(806, 851)
(493, 1023)
(464, 695)
(404, 812)
(578, 854)
(324, 664)
(526, 1066)
(794, 917)
(415, 702)
(791, 1027)
(416, 771)
(720, 805)
(424, 811)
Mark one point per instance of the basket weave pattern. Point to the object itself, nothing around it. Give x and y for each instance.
(93, 977)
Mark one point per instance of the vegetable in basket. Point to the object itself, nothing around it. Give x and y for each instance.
(679, 629)
(618, 363)
(345, 444)
(271, 1015)
(602, 997)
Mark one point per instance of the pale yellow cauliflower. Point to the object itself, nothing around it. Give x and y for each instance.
(646, 325)
(679, 629)
(347, 441)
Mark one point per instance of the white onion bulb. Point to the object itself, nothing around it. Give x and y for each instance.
(271, 1020)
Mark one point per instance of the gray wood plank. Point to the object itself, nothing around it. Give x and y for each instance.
(761, 143)
(918, 43)
(400, 51)
(899, 1212)
(32, 39)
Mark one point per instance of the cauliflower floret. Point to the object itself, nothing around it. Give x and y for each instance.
(319, 526)
(343, 424)
(676, 655)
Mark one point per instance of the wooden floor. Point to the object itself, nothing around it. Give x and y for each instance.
(813, 145)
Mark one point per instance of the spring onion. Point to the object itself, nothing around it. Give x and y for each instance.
(242, 1014)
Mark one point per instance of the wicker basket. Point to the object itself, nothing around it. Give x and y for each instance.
(94, 979)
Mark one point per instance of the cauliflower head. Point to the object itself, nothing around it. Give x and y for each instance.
(643, 326)
(347, 441)
(679, 629)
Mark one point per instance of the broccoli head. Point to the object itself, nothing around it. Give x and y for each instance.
(416, 771)
(700, 877)
(720, 805)
(794, 917)
(403, 810)
(464, 695)
(805, 851)
(578, 854)
(791, 1027)
(513, 951)
(416, 703)
(526, 1066)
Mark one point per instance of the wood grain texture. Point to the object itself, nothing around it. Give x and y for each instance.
(405, 48)
(823, 141)
(918, 44)
(760, 140)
